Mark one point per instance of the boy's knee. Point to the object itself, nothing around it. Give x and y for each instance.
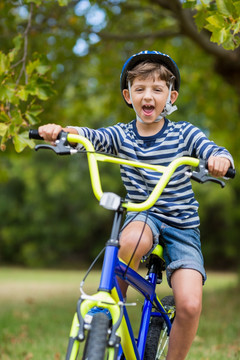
(130, 242)
(134, 231)
(189, 309)
(130, 239)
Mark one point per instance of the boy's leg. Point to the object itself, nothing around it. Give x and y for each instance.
(187, 290)
(128, 241)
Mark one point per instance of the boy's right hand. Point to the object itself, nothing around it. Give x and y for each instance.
(50, 132)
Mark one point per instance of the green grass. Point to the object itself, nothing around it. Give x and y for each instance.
(36, 309)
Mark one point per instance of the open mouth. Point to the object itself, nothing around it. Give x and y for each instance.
(148, 109)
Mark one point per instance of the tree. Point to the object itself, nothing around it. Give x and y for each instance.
(25, 75)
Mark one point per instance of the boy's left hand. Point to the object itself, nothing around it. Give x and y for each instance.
(218, 166)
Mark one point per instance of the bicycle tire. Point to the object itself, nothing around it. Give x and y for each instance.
(157, 338)
(96, 343)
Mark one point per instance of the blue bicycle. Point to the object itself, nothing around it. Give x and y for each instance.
(102, 319)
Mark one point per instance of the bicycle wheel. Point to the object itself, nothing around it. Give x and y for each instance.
(96, 344)
(157, 337)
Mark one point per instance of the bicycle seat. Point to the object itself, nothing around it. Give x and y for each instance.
(158, 251)
(156, 263)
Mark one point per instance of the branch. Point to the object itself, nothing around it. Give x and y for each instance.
(24, 58)
(163, 3)
(126, 7)
(189, 29)
(131, 36)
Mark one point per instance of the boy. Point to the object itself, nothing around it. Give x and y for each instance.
(150, 83)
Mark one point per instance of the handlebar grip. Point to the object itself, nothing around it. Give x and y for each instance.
(33, 134)
(231, 173)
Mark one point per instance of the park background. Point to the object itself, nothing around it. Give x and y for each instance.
(60, 62)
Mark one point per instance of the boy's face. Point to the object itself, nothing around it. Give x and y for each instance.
(149, 97)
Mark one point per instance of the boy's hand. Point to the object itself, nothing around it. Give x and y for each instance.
(218, 166)
(50, 132)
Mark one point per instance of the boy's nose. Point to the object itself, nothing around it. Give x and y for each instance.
(147, 94)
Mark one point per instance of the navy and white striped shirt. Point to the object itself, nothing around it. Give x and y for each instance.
(177, 205)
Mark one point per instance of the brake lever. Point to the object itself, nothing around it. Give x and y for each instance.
(62, 146)
(200, 174)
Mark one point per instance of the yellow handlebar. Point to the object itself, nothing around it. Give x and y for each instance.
(166, 172)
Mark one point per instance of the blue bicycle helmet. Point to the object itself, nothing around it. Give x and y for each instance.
(154, 56)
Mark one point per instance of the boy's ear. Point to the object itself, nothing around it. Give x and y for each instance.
(174, 96)
(126, 96)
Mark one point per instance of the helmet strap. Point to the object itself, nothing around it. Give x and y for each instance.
(130, 95)
(169, 108)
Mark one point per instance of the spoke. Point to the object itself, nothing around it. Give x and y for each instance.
(162, 345)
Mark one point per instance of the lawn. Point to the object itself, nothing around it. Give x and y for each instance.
(36, 309)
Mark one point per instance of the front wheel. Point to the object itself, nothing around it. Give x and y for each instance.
(157, 337)
(96, 344)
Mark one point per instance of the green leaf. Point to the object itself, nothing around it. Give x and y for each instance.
(189, 4)
(22, 93)
(44, 89)
(63, 2)
(236, 28)
(3, 129)
(4, 117)
(43, 92)
(42, 69)
(237, 7)
(217, 21)
(21, 141)
(40, 87)
(219, 36)
(17, 41)
(32, 120)
(229, 43)
(7, 93)
(31, 87)
(225, 7)
(40, 64)
(32, 113)
(31, 66)
(35, 110)
(4, 63)
(43, 66)
(200, 19)
(16, 117)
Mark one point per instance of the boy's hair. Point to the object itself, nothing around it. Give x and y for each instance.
(147, 69)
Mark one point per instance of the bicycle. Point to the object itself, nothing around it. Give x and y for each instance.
(109, 333)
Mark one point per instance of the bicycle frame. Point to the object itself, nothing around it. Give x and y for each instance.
(109, 295)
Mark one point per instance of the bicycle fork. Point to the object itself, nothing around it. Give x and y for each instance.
(102, 299)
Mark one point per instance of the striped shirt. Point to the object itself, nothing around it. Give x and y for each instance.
(177, 205)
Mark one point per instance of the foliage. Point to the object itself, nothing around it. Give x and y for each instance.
(221, 18)
(23, 84)
(26, 71)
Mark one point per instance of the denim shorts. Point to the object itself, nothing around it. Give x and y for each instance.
(181, 247)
